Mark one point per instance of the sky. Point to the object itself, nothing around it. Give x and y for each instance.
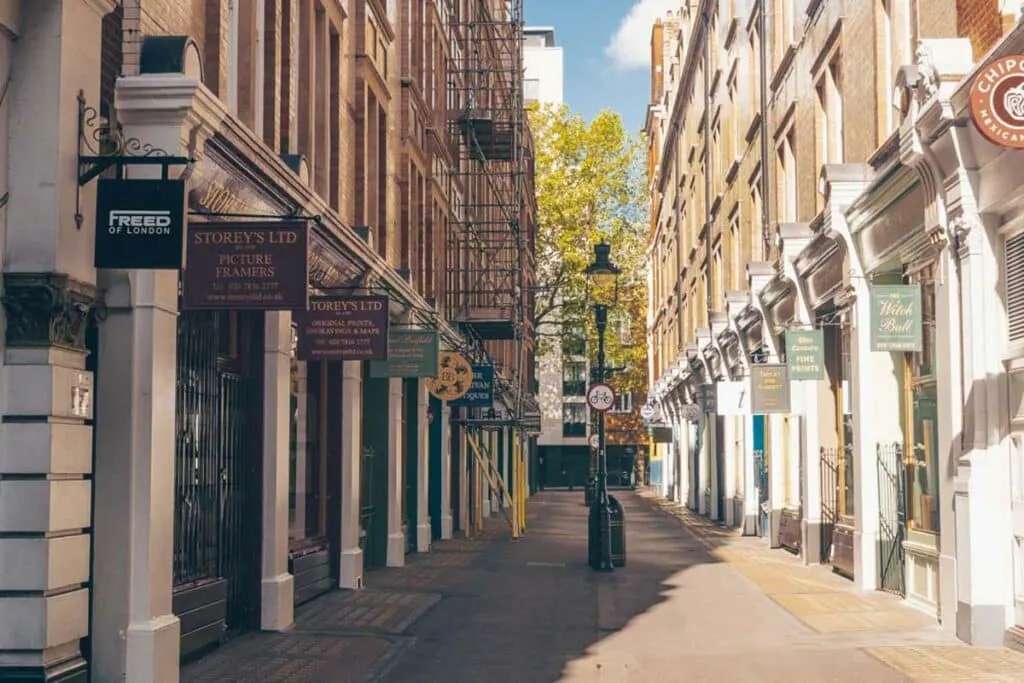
(606, 48)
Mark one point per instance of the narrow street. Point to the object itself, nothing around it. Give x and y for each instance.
(694, 603)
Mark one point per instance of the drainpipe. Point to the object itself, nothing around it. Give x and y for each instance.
(762, 28)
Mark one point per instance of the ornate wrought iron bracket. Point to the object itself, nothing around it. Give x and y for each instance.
(102, 145)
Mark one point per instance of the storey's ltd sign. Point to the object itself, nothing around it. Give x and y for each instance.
(247, 266)
(343, 328)
(140, 224)
(769, 388)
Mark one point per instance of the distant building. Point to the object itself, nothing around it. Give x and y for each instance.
(544, 66)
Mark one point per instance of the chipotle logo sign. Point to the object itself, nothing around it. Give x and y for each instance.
(997, 101)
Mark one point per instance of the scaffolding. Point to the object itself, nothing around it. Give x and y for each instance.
(490, 245)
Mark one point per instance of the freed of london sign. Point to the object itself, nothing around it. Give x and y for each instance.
(997, 101)
(896, 318)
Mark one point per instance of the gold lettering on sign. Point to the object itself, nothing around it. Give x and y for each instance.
(219, 199)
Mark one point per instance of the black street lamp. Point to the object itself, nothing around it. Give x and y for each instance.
(604, 276)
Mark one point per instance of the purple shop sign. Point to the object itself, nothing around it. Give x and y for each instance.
(343, 328)
(246, 266)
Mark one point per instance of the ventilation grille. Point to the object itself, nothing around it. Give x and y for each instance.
(1015, 286)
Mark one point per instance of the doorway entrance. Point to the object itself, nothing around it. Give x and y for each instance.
(217, 528)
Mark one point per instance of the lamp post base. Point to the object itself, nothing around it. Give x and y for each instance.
(599, 539)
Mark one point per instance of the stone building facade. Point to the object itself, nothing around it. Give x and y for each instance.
(168, 474)
(880, 184)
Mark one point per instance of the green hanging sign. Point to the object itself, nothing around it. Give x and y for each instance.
(896, 318)
(411, 353)
(805, 354)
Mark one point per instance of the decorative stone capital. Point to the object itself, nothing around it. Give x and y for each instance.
(960, 229)
(47, 309)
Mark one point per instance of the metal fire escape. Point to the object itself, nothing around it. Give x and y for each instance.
(490, 245)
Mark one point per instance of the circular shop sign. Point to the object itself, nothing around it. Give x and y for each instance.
(600, 397)
(594, 441)
(647, 412)
(997, 101)
(454, 377)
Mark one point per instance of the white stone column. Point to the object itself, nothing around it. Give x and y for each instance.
(950, 415)
(465, 500)
(447, 525)
(137, 634)
(876, 420)
(351, 473)
(396, 478)
(683, 459)
(729, 456)
(982, 486)
(423, 532)
(810, 484)
(704, 485)
(277, 586)
(778, 461)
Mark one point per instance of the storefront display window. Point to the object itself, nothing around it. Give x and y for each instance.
(849, 507)
(922, 456)
(306, 495)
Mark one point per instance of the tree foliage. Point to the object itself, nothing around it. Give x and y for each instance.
(591, 187)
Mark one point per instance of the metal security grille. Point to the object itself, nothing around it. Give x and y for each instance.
(217, 478)
(1015, 286)
(829, 469)
(892, 518)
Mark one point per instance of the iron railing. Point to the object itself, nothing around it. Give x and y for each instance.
(892, 518)
(829, 478)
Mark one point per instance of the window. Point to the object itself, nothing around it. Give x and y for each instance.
(531, 89)
(1014, 261)
(717, 293)
(574, 378)
(573, 345)
(735, 251)
(757, 217)
(574, 419)
(623, 402)
(921, 431)
(787, 196)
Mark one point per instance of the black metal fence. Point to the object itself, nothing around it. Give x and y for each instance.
(892, 518)
(829, 477)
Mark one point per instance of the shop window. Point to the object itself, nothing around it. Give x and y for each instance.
(307, 496)
(623, 402)
(1015, 286)
(921, 419)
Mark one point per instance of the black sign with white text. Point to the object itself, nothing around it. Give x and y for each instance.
(140, 224)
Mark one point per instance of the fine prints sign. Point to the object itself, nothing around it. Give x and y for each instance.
(997, 101)
(895, 318)
(247, 266)
(140, 224)
(454, 377)
(343, 328)
(769, 388)
(805, 354)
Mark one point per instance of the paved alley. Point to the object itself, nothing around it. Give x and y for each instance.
(694, 603)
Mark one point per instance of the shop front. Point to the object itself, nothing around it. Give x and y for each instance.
(749, 325)
(822, 356)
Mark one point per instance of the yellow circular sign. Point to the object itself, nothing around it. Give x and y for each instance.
(454, 377)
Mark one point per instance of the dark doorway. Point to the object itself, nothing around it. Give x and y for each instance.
(218, 476)
(566, 466)
(374, 503)
(411, 444)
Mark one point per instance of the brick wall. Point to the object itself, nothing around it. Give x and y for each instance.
(980, 21)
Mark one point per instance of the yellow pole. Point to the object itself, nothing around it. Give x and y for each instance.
(520, 482)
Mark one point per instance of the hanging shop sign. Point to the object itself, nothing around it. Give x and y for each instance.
(411, 353)
(140, 224)
(769, 388)
(247, 266)
(896, 318)
(805, 354)
(454, 377)
(343, 328)
(481, 390)
(661, 434)
(531, 423)
(997, 101)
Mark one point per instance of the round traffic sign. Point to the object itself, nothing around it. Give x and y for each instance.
(594, 441)
(647, 412)
(600, 397)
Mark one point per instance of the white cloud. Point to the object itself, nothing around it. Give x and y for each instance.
(630, 47)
